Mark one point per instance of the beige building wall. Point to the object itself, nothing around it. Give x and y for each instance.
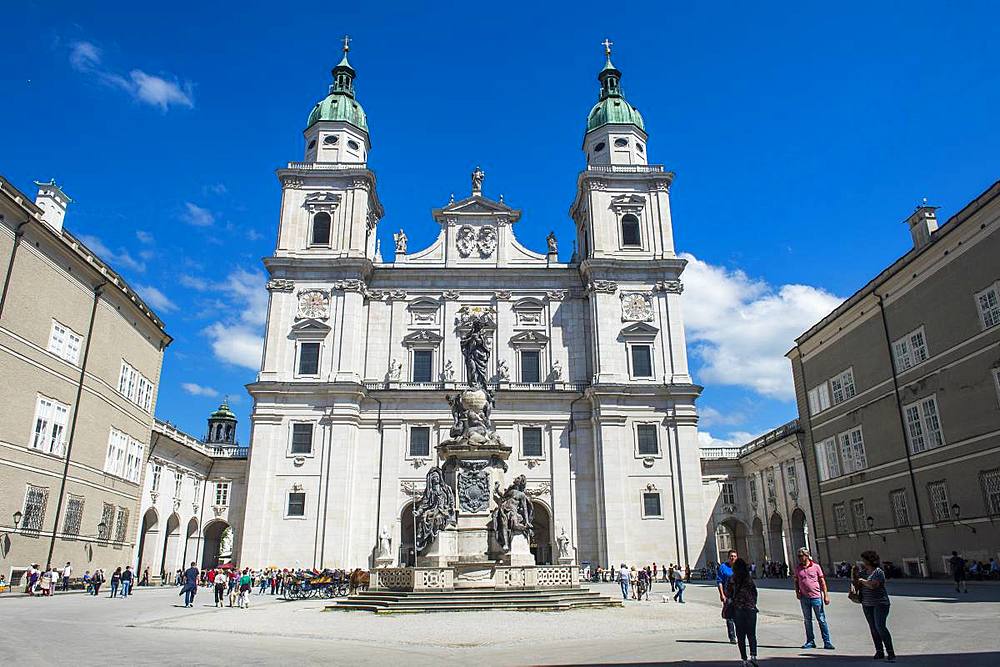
(929, 481)
(54, 278)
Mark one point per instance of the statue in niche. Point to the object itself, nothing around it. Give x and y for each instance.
(476, 352)
(513, 514)
(448, 372)
(395, 370)
(503, 370)
(400, 240)
(553, 244)
(435, 510)
(563, 543)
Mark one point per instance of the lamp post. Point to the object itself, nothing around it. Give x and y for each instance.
(956, 511)
(871, 524)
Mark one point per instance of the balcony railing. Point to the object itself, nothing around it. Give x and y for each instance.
(228, 451)
(626, 168)
(763, 441)
(720, 452)
(403, 385)
(325, 166)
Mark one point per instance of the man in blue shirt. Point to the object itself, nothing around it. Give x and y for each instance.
(722, 577)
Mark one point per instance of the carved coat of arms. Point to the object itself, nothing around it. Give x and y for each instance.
(473, 486)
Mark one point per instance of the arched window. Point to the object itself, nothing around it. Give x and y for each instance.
(630, 231)
(321, 229)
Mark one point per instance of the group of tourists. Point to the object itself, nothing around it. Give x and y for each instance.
(738, 595)
(44, 583)
(962, 570)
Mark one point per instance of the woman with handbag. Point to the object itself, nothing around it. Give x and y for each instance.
(869, 587)
(741, 607)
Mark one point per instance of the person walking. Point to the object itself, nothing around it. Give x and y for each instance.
(220, 581)
(190, 587)
(623, 580)
(810, 589)
(670, 575)
(245, 583)
(722, 577)
(67, 572)
(874, 603)
(633, 582)
(741, 606)
(678, 585)
(97, 580)
(45, 581)
(127, 578)
(145, 577)
(116, 580)
(957, 564)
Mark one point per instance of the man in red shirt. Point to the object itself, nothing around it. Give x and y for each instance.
(810, 589)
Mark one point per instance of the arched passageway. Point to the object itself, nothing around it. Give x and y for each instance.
(758, 553)
(800, 531)
(148, 533)
(171, 540)
(541, 541)
(775, 539)
(406, 555)
(212, 555)
(190, 543)
(731, 534)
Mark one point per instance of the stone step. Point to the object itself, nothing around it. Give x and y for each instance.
(386, 602)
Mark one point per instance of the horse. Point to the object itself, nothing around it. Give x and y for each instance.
(359, 580)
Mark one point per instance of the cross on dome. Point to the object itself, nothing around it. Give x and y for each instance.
(607, 43)
(347, 43)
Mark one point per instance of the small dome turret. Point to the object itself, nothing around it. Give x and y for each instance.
(222, 426)
(612, 107)
(340, 104)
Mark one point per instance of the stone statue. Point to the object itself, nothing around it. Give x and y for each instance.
(395, 370)
(557, 371)
(553, 244)
(563, 543)
(513, 514)
(448, 372)
(384, 543)
(400, 240)
(477, 181)
(503, 371)
(458, 414)
(435, 511)
(476, 352)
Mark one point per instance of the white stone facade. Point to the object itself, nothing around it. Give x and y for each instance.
(588, 362)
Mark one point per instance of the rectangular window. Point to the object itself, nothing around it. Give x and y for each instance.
(648, 442)
(64, 343)
(531, 441)
(923, 428)
(819, 398)
(531, 368)
(302, 438)
(74, 515)
(178, 484)
(852, 451)
(157, 473)
(753, 491)
(423, 365)
(900, 512)
(196, 483)
(107, 518)
(50, 426)
(297, 503)
(33, 516)
(989, 306)
(308, 358)
(121, 525)
(133, 460)
(827, 459)
(859, 515)
(134, 386)
(420, 441)
(910, 350)
(940, 506)
(222, 494)
(728, 493)
(990, 481)
(792, 477)
(114, 463)
(642, 361)
(651, 504)
(842, 386)
(840, 517)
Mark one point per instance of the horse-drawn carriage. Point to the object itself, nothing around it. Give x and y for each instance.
(326, 584)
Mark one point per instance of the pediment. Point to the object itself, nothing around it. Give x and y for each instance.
(477, 204)
(310, 326)
(426, 336)
(529, 338)
(639, 330)
(424, 303)
(528, 303)
(628, 202)
(321, 201)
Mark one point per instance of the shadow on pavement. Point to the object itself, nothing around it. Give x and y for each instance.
(988, 659)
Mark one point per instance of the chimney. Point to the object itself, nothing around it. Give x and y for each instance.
(923, 223)
(53, 202)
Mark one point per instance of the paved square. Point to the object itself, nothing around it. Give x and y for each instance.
(930, 624)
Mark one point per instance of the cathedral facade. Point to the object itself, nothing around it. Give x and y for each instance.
(588, 360)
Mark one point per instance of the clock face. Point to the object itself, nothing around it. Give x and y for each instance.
(313, 304)
(636, 307)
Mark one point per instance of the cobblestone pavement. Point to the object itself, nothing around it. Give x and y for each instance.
(931, 625)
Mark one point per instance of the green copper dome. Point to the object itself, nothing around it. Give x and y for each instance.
(612, 107)
(223, 412)
(340, 104)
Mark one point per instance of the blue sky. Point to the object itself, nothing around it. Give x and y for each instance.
(801, 138)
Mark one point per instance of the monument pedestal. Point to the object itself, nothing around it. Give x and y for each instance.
(520, 552)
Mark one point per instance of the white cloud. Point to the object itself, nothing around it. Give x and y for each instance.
(144, 236)
(119, 259)
(740, 328)
(197, 216)
(155, 298)
(198, 390)
(215, 189)
(147, 88)
(238, 340)
(193, 282)
(735, 439)
(709, 416)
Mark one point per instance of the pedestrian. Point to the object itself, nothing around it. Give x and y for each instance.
(190, 587)
(633, 582)
(246, 582)
(875, 603)
(67, 572)
(97, 580)
(31, 579)
(957, 564)
(263, 583)
(670, 575)
(88, 585)
(724, 574)
(127, 579)
(45, 581)
(994, 569)
(623, 579)
(741, 605)
(679, 586)
(145, 577)
(810, 589)
(219, 582)
(116, 580)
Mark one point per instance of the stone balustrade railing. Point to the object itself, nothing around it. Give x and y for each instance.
(626, 168)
